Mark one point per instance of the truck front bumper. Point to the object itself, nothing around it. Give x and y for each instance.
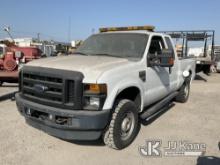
(64, 124)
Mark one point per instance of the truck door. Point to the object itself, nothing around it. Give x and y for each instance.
(173, 74)
(157, 83)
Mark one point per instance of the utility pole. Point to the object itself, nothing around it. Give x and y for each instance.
(38, 37)
(69, 29)
(7, 29)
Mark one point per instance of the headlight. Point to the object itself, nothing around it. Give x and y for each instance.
(94, 96)
(94, 101)
(91, 103)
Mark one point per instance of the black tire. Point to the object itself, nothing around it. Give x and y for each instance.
(184, 91)
(1, 83)
(124, 125)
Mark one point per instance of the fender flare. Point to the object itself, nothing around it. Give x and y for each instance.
(109, 103)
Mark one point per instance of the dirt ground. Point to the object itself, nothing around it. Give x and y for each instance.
(196, 121)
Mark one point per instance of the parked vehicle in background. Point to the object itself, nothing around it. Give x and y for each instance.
(2, 50)
(218, 66)
(12, 57)
(217, 52)
(48, 48)
(195, 44)
(217, 57)
(114, 80)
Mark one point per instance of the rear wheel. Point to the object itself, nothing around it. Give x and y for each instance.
(184, 91)
(124, 125)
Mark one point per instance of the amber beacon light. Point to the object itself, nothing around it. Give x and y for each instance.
(129, 28)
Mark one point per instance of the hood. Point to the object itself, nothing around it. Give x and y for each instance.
(91, 66)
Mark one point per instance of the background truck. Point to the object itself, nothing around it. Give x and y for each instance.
(115, 80)
(217, 57)
(197, 44)
(11, 57)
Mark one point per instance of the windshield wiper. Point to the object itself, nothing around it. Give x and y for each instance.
(81, 53)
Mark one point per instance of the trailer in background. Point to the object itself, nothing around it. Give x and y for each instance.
(217, 57)
(198, 44)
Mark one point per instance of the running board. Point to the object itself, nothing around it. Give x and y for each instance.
(8, 96)
(158, 107)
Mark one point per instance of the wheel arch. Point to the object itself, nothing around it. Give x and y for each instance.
(191, 76)
(132, 93)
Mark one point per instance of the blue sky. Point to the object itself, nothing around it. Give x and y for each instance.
(51, 17)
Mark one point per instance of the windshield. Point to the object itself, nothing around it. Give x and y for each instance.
(123, 45)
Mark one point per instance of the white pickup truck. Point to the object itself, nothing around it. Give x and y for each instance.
(114, 80)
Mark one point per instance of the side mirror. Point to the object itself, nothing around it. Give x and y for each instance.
(165, 59)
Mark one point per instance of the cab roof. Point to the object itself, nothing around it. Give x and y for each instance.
(136, 32)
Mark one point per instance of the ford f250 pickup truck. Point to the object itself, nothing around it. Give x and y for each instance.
(114, 80)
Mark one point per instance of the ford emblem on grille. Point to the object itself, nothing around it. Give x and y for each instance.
(40, 88)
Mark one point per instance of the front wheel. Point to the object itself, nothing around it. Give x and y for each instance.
(124, 125)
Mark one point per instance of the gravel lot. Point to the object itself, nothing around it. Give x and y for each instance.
(196, 121)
